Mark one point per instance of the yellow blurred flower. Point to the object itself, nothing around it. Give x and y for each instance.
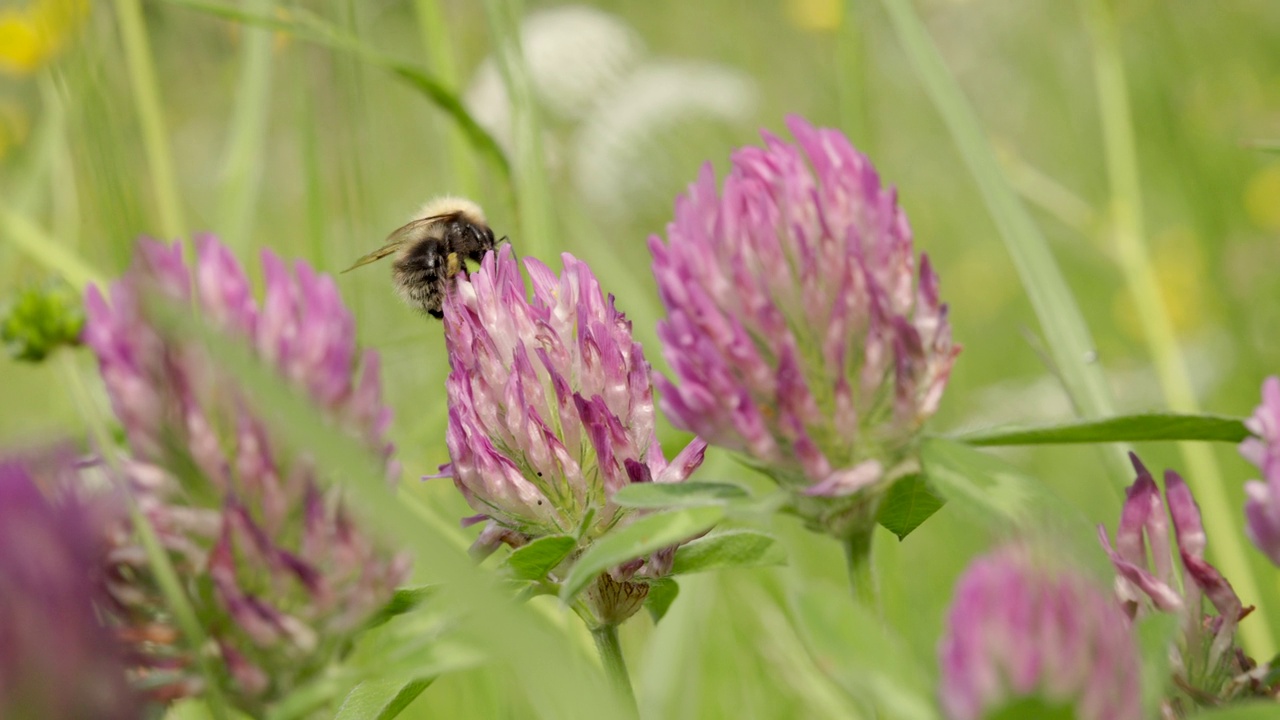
(1262, 197)
(1179, 266)
(986, 286)
(30, 35)
(13, 126)
(815, 15)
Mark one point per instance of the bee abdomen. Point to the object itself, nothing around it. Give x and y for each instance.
(420, 277)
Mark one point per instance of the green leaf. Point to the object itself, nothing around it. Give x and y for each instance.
(409, 666)
(448, 101)
(404, 600)
(909, 503)
(309, 27)
(643, 536)
(662, 592)
(380, 699)
(735, 548)
(861, 654)
(1143, 427)
(535, 560)
(670, 495)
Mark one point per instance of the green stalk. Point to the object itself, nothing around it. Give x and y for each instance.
(862, 573)
(37, 244)
(166, 577)
(242, 173)
(438, 41)
(1129, 232)
(852, 76)
(615, 666)
(1065, 331)
(351, 134)
(533, 197)
(146, 97)
(317, 222)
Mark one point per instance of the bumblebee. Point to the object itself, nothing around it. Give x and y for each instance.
(433, 249)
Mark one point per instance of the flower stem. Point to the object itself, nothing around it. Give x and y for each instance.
(606, 637)
(862, 574)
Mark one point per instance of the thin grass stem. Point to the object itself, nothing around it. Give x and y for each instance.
(1067, 335)
(38, 245)
(242, 170)
(852, 71)
(166, 577)
(155, 133)
(533, 196)
(1129, 233)
(438, 41)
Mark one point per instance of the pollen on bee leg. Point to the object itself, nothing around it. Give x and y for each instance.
(452, 265)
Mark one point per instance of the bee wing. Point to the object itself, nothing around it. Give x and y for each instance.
(396, 239)
(376, 255)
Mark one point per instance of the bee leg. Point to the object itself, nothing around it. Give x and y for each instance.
(453, 265)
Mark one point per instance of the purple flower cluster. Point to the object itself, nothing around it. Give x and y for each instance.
(1158, 574)
(1262, 508)
(550, 407)
(796, 330)
(289, 573)
(1019, 627)
(56, 660)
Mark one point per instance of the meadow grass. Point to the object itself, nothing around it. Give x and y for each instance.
(1154, 289)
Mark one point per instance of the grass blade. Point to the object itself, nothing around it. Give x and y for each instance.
(1129, 234)
(308, 27)
(1069, 341)
(380, 699)
(533, 196)
(437, 38)
(36, 244)
(242, 171)
(155, 133)
(561, 683)
(166, 577)
(1146, 427)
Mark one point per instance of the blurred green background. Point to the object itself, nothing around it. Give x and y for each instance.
(270, 139)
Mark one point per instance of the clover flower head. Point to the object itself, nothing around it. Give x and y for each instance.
(1019, 627)
(550, 406)
(800, 331)
(56, 660)
(292, 574)
(1157, 573)
(1262, 506)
